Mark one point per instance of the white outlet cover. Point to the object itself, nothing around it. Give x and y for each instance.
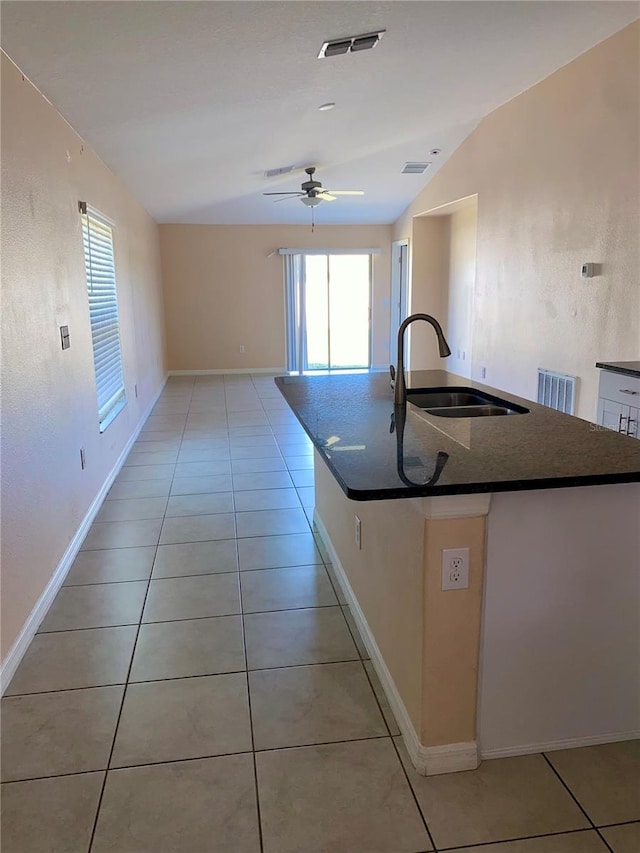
(455, 568)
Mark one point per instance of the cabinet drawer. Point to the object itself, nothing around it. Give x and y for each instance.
(620, 388)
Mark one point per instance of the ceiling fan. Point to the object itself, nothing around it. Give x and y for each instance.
(312, 192)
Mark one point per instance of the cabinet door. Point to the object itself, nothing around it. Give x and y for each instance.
(631, 425)
(612, 415)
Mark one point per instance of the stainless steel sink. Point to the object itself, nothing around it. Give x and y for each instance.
(461, 403)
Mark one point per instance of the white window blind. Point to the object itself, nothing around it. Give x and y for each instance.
(97, 235)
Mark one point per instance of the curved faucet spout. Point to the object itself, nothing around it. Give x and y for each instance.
(400, 388)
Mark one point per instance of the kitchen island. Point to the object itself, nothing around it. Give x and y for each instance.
(541, 651)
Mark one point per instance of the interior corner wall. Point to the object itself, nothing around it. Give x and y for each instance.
(556, 174)
(222, 291)
(49, 405)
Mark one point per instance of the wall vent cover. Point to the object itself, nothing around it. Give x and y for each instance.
(556, 390)
(414, 168)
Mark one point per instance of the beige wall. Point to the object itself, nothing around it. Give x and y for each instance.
(429, 249)
(386, 576)
(49, 408)
(222, 291)
(556, 173)
(429, 639)
(463, 229)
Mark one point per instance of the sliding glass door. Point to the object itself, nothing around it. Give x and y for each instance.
(333, 313)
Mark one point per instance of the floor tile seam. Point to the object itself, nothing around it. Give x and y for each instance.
(148, 464)
(129, 669)
(284, 609)
(54, 776)
(162, 578)
(251, 724)
(510, 840)
(201, 675)
(134, 499)
(405, 772)
(159, 621)
(251, 730)
(378, 703)
(64, 690)
(222, 539)
(619, 823)
(299, 665)
(122, 547)
(90, 627)
(282, 568)
(118, 718)
(576, 801)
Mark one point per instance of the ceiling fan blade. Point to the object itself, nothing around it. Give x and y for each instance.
(325, 196)
(288, 198)
(291, 192)
(345, 192)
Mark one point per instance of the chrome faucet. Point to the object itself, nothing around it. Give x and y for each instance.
(397, 374)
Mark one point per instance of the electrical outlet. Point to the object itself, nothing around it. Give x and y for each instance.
(358, 532)
(455, 568)
(135, 389)
(241, 347)
(83, 461)
(483, 372)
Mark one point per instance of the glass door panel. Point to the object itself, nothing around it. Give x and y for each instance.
(334, 312)
(317, 312)
(349, 311)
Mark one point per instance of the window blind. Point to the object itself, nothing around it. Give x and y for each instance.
(97, 235)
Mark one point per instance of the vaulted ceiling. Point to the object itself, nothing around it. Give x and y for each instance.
(191, 102)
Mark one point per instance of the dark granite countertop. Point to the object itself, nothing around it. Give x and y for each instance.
(348, 418)
(629, 368)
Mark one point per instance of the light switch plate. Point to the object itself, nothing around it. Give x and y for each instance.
(64, 337)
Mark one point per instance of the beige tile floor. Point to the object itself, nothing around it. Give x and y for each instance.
(199, 685)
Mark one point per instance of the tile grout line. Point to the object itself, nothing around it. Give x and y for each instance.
(577, 802)
(246, 662)
(198, 675)
(333, 582)
(504, 841)
(124, 692)
(395, 748)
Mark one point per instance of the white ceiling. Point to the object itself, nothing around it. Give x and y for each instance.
(191, 102)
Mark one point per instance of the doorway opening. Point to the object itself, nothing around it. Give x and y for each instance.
(399, 293)
(329, 313)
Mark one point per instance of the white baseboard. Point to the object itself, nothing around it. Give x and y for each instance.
(427, 760)
(228, 370)
(554, 745)
(20, 646)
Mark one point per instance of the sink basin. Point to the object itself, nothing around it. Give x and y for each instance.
(471, 411)
(428, 399)
(461, 403)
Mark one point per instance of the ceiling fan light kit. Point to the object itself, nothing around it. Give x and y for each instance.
(312, 192)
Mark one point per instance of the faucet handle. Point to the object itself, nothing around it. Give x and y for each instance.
(392, 371)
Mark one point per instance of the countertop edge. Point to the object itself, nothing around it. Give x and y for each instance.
(466, 488)
(612, 368)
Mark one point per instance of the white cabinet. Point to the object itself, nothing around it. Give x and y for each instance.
(619, 402)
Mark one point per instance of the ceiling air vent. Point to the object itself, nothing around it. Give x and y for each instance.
(414, 168)
(350, 44)
(283, 170)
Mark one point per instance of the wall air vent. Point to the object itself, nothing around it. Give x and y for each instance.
(556, 390)
(350, 44)
(414, 168)
(283, 170)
